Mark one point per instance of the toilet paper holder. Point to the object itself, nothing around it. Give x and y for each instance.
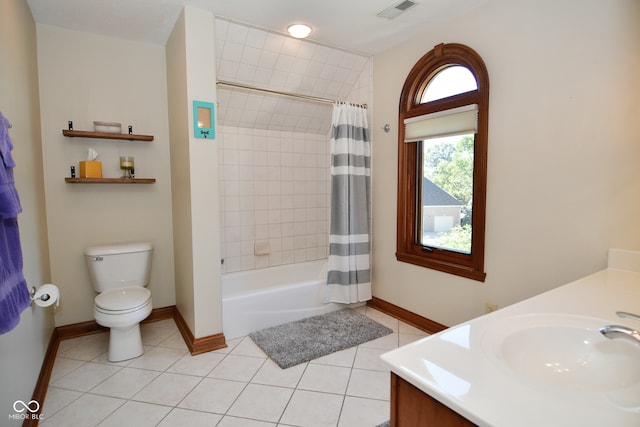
(43, 297)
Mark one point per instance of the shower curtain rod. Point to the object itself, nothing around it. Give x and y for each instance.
(292, 94)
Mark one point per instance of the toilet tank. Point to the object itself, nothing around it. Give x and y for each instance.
(119, 265)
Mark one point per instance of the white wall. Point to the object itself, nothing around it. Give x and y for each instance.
(22, 350)
(563, 181)
(205, 201)
(86, 77)
(194, 168)
(181, 179)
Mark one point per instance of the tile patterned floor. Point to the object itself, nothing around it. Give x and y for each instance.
(237, 386)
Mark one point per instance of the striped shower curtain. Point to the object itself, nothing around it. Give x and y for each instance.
(349, 275)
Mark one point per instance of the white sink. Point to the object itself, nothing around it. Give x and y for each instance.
(563, 351)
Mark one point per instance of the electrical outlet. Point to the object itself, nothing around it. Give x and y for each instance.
(490, 307)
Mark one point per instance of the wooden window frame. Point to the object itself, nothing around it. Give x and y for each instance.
(408, 248)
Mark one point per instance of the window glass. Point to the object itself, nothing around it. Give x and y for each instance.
(446, 201)
(448, 82)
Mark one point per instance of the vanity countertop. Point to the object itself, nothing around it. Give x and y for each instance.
(463, 367)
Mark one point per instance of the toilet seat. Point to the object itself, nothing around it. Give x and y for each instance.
(122, 300)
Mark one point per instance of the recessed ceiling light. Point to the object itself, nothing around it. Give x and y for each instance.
(299, 31)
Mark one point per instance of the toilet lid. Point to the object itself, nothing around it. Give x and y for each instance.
(123, 298)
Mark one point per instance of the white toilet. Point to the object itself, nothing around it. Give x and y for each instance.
(120, 274)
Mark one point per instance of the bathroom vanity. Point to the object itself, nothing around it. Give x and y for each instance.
(540, 362)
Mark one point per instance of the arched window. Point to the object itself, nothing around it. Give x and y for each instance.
(442, 162)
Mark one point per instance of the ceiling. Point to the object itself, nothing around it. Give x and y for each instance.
(252, 47)
(347, 24)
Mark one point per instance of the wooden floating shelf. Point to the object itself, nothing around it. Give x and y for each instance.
(106, 135)
(110, 180)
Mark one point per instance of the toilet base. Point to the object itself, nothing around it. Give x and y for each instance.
(125, 343)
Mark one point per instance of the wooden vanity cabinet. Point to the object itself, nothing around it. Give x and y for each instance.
(411, 407)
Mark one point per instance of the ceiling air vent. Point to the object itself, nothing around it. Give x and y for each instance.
(397, 9)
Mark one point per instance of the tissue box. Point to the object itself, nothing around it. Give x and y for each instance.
(90, 169)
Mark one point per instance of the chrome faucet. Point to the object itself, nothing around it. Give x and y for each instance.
(617, 331)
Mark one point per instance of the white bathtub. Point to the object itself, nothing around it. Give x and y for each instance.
(259, 298)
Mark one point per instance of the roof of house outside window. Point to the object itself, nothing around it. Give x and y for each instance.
(432, 195)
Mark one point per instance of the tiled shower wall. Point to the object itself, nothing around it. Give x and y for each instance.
(274, 150)
(275, 186)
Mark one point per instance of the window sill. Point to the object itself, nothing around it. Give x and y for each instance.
(444, 266)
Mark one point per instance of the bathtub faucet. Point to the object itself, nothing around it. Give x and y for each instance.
(617, 331)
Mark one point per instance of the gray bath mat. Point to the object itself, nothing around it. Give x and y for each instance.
(303, 340)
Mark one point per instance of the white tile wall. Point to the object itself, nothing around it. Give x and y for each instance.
(265, 59)
(274, 150)
(275, 195)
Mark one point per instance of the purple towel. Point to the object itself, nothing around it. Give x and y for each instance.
(14, 295)
(9, 200)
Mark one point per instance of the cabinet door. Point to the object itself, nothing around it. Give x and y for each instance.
(410, 407)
